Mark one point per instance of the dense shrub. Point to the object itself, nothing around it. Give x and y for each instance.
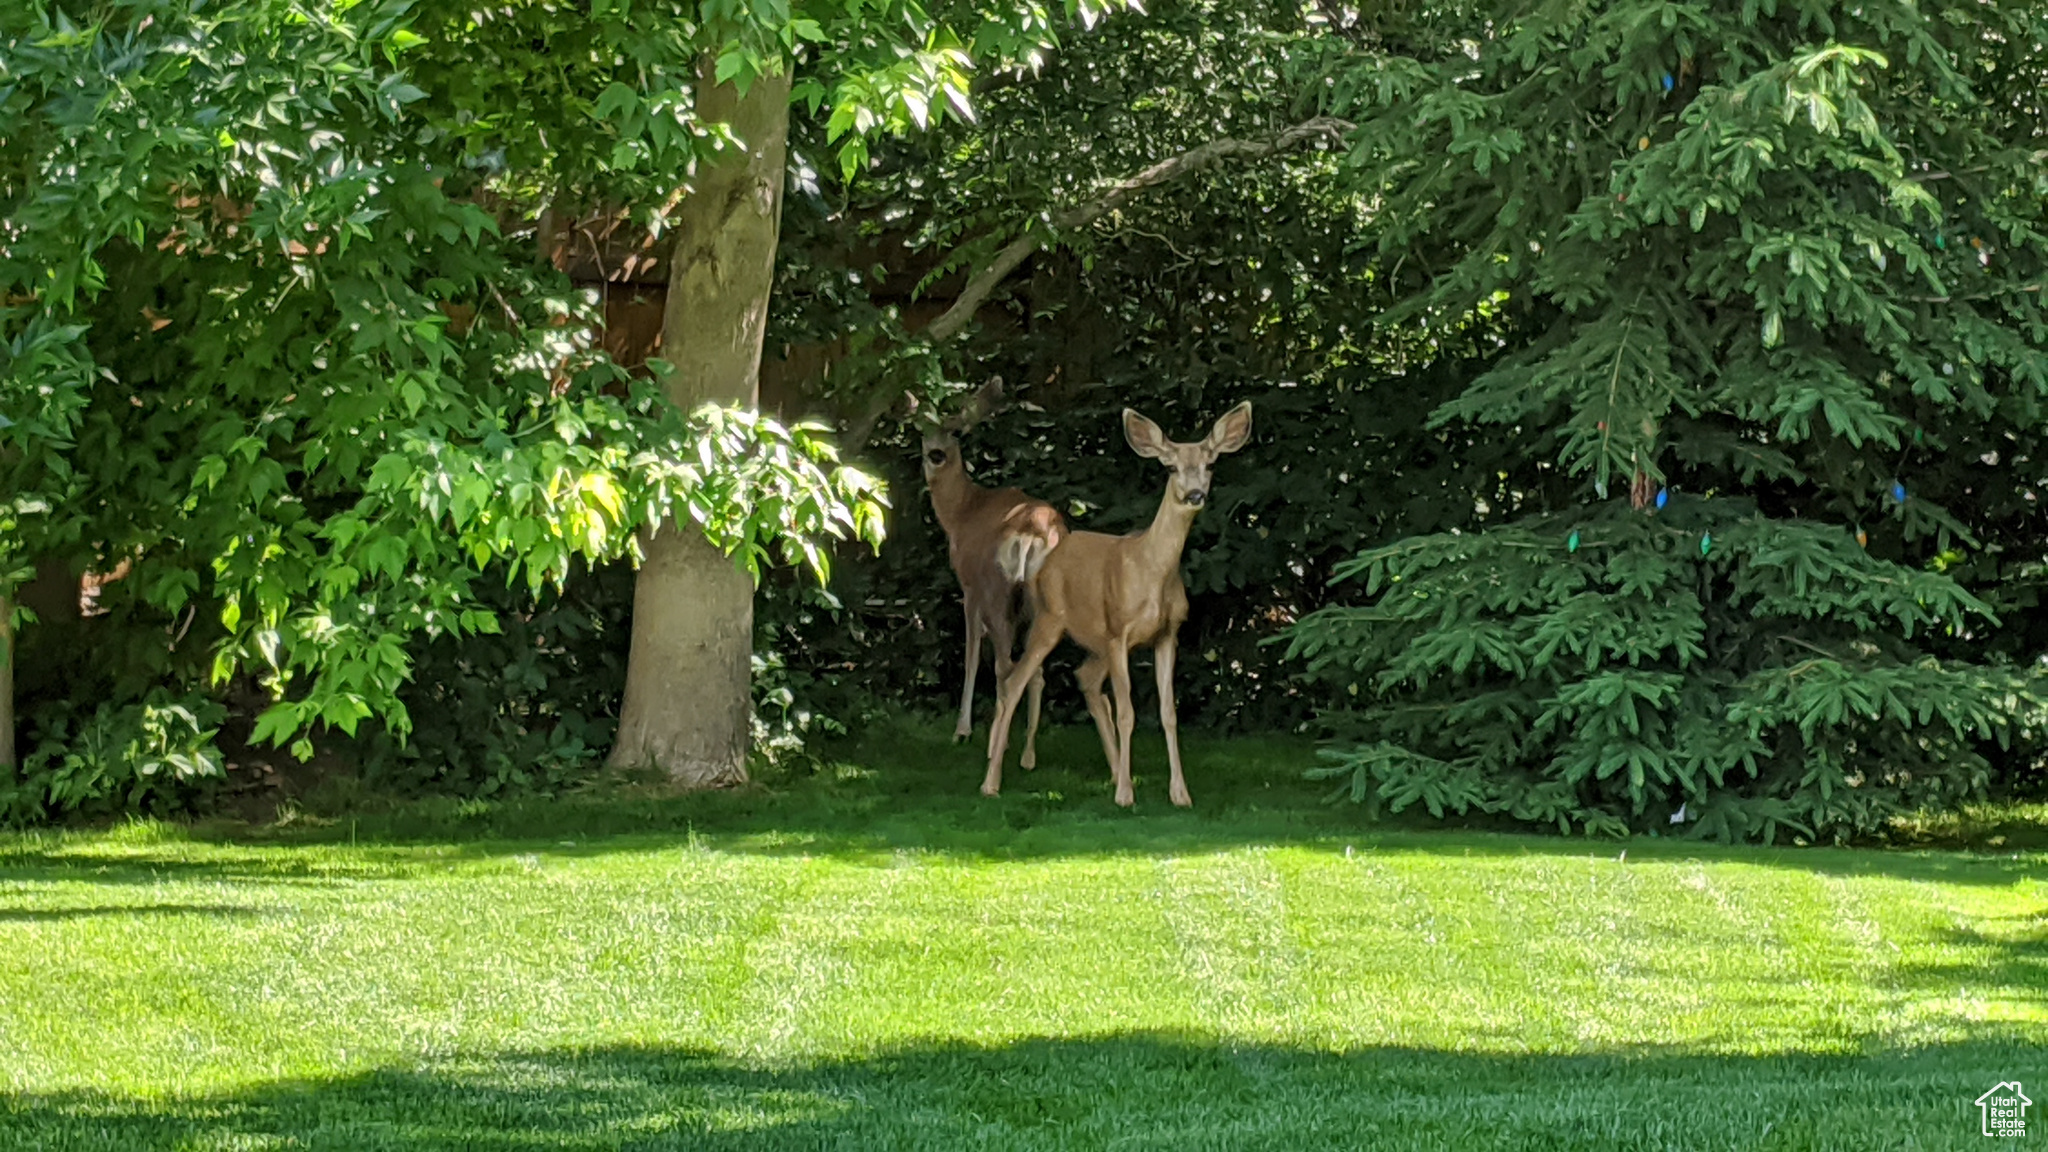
(149, 756)
(529, 708)
(1699, 666)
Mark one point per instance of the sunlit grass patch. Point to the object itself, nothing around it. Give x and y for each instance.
(874, 956)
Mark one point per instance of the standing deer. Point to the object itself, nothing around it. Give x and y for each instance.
(996, 539)
(1111, 593)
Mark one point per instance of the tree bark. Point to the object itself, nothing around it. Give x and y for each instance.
(688, 705)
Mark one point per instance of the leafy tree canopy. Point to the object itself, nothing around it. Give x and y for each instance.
(272, 326)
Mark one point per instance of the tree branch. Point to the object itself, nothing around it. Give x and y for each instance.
(1993, 295)
(985, 281)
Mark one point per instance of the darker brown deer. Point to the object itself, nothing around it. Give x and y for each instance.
(1115, 593)
(996, 539)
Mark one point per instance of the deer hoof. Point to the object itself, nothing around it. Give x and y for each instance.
(1028, 761)
(962, 733)
(1181, 799)
(991, 790)
(1125, 798)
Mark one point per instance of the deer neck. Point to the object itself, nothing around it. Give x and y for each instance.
(1161, 544)
(952, 491)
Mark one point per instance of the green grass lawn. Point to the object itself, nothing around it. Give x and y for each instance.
(876, 957)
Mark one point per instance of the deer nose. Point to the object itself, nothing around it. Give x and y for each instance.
(1196, 498)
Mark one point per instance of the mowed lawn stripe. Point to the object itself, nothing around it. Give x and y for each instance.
(1238, 963)
(1014, 950)
(1432, 959)
(558, 951)
(313, 973)
(797, 971)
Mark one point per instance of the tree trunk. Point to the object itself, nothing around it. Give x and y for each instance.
(688, 705)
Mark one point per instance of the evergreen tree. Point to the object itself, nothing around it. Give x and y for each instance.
(1760, 266)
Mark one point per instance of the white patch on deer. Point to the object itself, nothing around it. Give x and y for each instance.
(1020, 557)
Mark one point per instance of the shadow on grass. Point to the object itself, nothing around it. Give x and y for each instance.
(1127, 1090)
(95, 911)
(907, 790)
(2008, 962)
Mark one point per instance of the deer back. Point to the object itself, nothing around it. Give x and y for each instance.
(994, 532)
(1104, 589)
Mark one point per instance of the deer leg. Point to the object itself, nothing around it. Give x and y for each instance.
(1120, 679)
(1091, 674)
(1162, 665)
(965, 727)
(1002, 633)
(1044, 637)
(1020, 600)
(1029, 760)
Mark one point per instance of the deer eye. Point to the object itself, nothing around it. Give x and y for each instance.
(937, 456)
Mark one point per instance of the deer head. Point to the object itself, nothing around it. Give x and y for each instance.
(1190, 463)
(941, 447)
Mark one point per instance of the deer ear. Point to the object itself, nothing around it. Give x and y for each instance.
(1144, 436)
(1232, 431)
(924, 418)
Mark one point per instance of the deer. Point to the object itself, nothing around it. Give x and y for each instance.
(996, 539)
(1113, 593)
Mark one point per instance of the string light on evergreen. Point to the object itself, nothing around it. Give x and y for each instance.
(1706, 543)
(1898, 492)
(1571, 542)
